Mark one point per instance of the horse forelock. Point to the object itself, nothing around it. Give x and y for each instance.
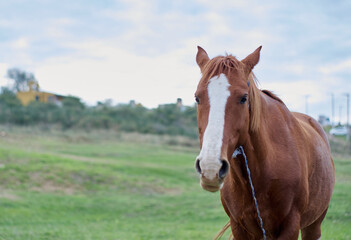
(221, 64)
(227, 65)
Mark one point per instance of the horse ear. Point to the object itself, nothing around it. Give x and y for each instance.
(251, 60)
(201, 57)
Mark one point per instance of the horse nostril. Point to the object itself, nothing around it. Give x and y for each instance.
(197, 166)
(224, 169)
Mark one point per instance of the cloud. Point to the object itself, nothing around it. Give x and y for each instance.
(151, 30)
(135, 12)
(59, 28)
(341, 67)
(250, 8)
(3, 73)
(20, 44)
(107, 71)
(132, 49)
(294, 93)
(5, 23)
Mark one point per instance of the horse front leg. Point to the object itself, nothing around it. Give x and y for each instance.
(238, 232)
(313, 231)
(290, 227)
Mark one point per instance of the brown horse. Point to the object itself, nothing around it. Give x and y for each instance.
(288, 153)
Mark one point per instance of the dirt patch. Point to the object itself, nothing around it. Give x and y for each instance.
(8, 195)
(148, 189)
(84, 159)
(171, 191)
(51, 187)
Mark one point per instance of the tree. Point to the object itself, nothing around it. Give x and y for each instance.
(8, 98)
(20, 79)
(72, 111)
(9, 105)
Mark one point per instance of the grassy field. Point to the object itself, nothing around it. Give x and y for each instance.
(105, 185)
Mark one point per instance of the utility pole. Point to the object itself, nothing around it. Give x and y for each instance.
(333, 110)
(347, 109)
(306, 103)
(347, 114)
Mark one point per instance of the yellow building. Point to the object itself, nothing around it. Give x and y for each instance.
(33, 94)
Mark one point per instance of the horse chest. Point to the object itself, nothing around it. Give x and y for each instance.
(249, 221)
(241, 209)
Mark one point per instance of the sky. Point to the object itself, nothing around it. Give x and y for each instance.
(145, 50)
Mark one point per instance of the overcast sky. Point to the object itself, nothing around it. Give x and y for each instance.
(145, 50)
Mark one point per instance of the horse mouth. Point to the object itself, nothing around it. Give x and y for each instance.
(211, 187)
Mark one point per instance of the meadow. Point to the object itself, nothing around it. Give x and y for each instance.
(109, 185)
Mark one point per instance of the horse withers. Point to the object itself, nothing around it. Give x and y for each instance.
(288, 153)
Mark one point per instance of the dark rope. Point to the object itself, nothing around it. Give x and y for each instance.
(238, 151)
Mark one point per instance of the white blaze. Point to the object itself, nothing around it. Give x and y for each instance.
(209, 156)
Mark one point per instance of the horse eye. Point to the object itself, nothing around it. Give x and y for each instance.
(197, 100)
(243, 100)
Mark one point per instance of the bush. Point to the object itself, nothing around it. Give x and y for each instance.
(166, 119)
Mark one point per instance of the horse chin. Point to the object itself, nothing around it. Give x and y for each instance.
(211, 187)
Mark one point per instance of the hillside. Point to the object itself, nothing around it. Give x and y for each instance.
(108, 185)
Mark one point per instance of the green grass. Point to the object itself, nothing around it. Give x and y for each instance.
(104, 185)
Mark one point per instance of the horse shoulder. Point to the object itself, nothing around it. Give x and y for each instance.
(287, 186)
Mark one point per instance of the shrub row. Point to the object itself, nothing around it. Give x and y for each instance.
(166, 119)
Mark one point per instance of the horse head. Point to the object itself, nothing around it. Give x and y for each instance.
(224, 98)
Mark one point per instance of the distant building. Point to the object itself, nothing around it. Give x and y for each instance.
(323, 120)
(33, 94)
(180, 105)
(132, 103)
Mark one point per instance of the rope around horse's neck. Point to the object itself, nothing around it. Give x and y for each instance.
(238, 151)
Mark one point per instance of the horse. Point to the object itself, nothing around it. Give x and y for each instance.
(288, 154)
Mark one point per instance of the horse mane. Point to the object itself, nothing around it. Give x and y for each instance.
(228, 64)
(272, 95)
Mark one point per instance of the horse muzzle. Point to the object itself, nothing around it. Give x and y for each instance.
(212, 174)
